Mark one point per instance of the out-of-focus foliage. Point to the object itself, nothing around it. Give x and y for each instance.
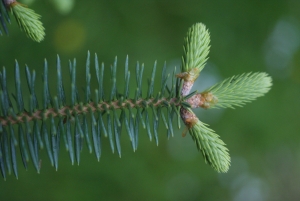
(245, 36)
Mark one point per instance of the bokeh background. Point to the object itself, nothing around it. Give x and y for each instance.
(246, 36)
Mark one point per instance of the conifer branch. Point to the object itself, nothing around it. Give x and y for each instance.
(75, 121)
(211, 146)
(236, 90)
(89, 119)
(27, 19)
(195, 51)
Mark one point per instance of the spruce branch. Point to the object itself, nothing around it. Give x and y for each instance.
(236, 90)
(211, 146)
(27, 19)
(195, 50)
(207, 141)
(74, 121)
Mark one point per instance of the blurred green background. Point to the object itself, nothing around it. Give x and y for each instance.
(246, 36)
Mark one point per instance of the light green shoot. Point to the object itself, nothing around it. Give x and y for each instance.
(29, 21)
(195, 50)
(238, 90)
(211, 146)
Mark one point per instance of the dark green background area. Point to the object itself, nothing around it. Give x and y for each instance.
(246, 36)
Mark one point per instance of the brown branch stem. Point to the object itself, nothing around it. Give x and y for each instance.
(84, 108)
